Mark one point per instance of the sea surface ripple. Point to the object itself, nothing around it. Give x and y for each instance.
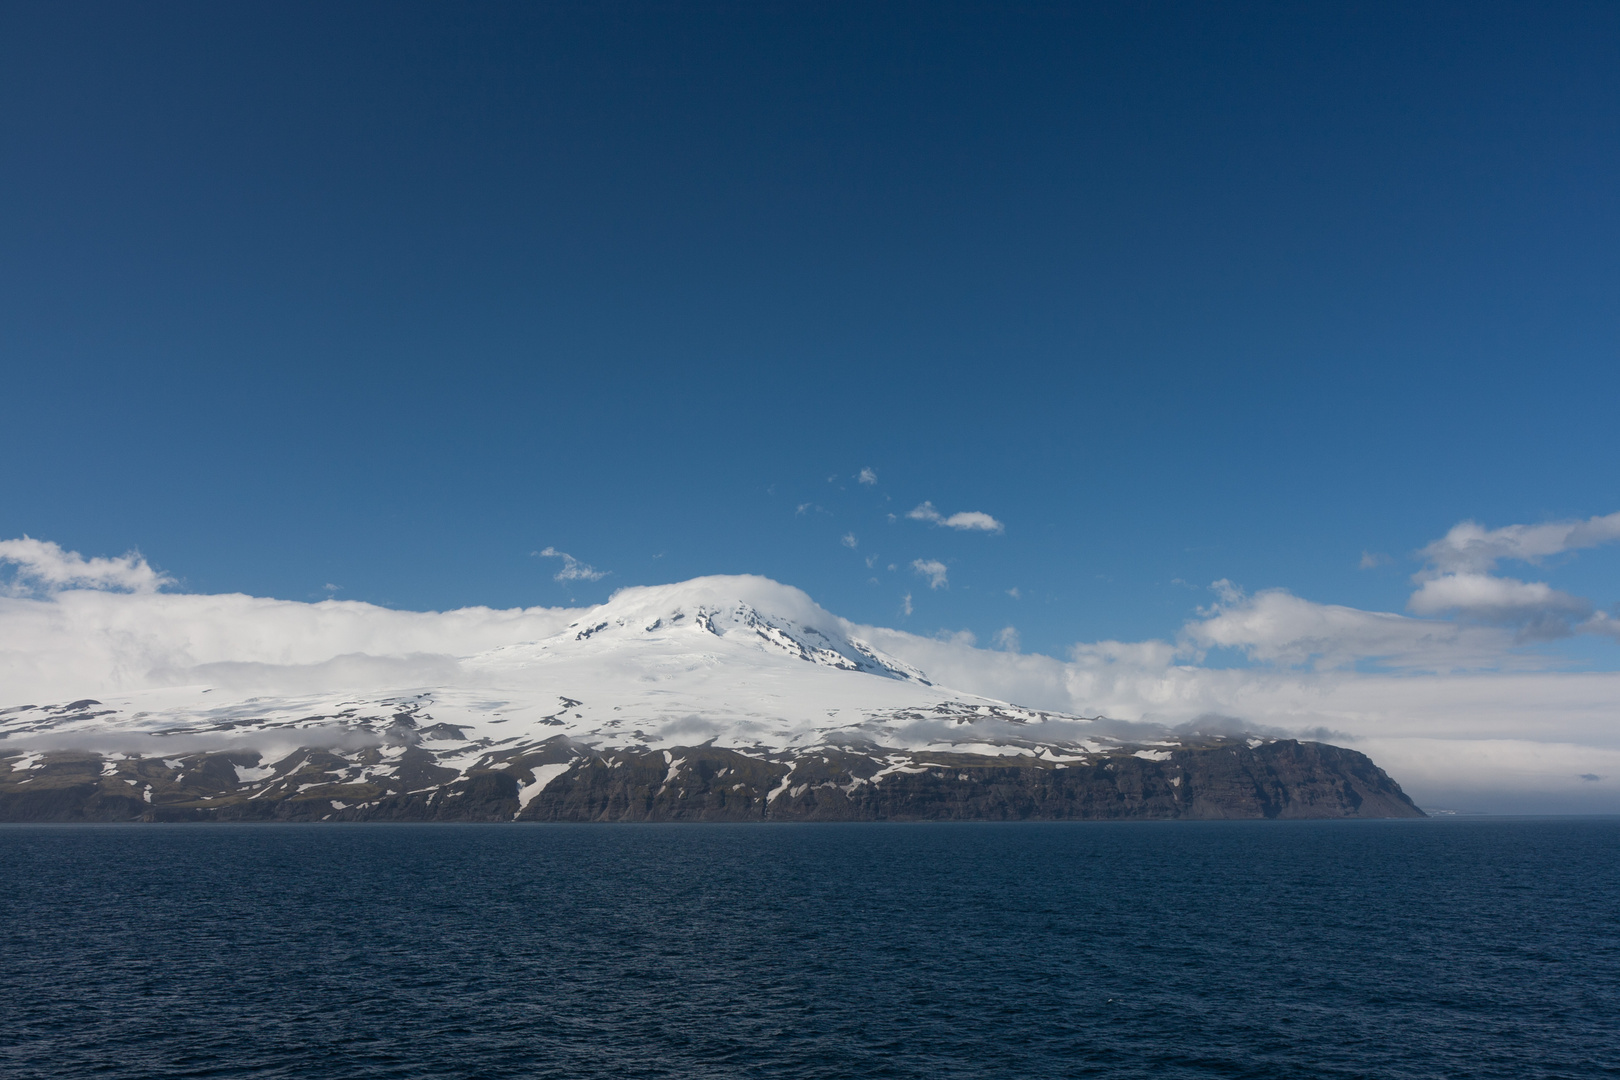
(1452, 948)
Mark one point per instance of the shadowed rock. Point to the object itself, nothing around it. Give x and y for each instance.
(559, 780)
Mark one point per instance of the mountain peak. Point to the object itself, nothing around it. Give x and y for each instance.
(746, 612)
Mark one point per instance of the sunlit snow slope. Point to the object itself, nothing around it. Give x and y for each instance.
(738, 661)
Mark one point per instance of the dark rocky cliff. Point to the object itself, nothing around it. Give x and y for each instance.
(564, 781)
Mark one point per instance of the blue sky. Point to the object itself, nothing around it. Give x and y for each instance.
(390, 297)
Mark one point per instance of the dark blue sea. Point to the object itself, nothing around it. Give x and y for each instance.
(1450, 948)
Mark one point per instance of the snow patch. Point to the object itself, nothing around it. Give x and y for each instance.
(543, 775)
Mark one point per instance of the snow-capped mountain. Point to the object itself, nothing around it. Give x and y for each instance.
(741, 673)
(734, 661)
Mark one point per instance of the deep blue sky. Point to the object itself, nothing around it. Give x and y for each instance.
(389, 296)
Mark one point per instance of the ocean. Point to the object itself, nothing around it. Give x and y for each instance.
(1443, 948)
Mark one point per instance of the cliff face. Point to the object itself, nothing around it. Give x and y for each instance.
(563, 781)
(1284, 779)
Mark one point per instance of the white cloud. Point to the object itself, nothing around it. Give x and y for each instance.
(868, 477)
(1093, 655)
(41, 566)
(871, 561)
(963, 638)
(933, 570)
(1276, 627)
(109, 641)
(1601, 622)
(1014, 593)
(849, 540)
(1471, 548)
(967, 520)
(1457, 579)
(1373, 559)
(1007, 639)
(1541, 609)
(905, 604)
(572, 568)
